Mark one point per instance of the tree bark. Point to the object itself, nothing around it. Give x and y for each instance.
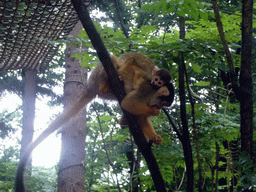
(246, 86)
(246, 103)
(29, 98)
(71, 165)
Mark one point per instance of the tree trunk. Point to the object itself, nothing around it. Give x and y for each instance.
(246, 103)
(186, 140)
(246, 87)
(29, 97)
(71, 165)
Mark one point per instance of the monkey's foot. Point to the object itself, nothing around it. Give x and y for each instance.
(154, 111)
(156, 139)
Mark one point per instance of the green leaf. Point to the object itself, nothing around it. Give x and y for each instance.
(203, 14)
(202, 83)
(196, 68)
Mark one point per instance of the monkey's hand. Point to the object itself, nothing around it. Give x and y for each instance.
(156, 139)
(120, 77)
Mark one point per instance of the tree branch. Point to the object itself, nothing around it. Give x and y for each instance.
(183, 114)
(119, 92)
(175, 128)
(233, 77)
(119, 13)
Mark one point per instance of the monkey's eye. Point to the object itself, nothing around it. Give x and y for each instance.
(160, 83)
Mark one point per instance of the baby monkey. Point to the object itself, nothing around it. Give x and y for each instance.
(142, 68)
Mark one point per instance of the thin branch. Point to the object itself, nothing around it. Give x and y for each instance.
(192, 103)
(105, 147)
(217, 165)
(119, 13)
(182, 180)
(175, 128)
(233, 77)
(9, 114)
(222, 35)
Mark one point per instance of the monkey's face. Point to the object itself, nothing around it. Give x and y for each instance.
(163, 97)
(160, 77)
(157, 82)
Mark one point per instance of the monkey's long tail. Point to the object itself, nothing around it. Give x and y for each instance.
(86, 97)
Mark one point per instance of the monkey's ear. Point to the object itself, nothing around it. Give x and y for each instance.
(155, 70)
(163, 91)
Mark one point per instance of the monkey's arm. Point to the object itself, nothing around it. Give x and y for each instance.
(143, 112)
(149, 131)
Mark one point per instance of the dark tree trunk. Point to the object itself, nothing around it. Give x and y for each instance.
(246, 103)
(186, 139)
(71, 166)
(246, 87)
(29, 97)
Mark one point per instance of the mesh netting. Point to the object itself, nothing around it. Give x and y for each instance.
(26, 28)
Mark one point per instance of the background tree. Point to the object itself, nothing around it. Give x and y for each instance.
(71, 171)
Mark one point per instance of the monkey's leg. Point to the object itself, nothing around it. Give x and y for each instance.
(149, 131)
(136, 107)
(137, 80)
(126, 73)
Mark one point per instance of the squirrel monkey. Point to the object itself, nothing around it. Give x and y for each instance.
(145, 97)
(148, 89)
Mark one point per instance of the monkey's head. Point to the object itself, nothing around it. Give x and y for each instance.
(160, 77)
(163, 97)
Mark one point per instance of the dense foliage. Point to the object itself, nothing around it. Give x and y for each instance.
(215, 133)
(212, 114)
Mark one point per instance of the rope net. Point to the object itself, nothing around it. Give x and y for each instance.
(27, 29)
